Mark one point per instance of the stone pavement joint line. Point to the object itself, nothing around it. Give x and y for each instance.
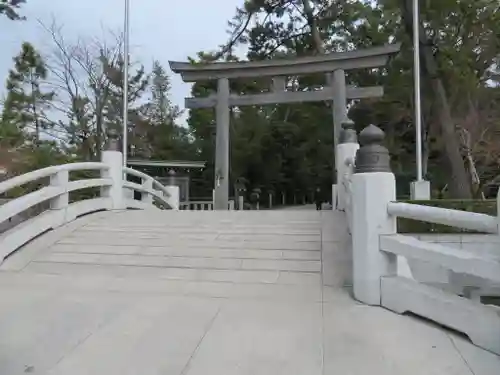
(208, 293)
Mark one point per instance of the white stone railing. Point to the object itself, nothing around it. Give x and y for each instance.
(347, 190)
(56, 193)
(151, 190)
(454, 218)
(202, 205)
(382, 258)
(480, 322)
(60, 208)
(197, 206)
(345, 157)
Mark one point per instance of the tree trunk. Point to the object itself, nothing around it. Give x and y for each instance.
(425, 147)
(459, 185)
(311, 21)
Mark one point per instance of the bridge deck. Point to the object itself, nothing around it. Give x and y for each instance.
(188, 293)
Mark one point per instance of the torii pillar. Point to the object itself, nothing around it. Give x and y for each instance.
(221, 194)
(339, 110)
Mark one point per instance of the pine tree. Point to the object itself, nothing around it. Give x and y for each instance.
(137, 84)
(161, 108)
(9, 8)
(26, 103)
(162, 138)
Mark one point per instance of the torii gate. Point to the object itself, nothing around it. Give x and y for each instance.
(337, 91)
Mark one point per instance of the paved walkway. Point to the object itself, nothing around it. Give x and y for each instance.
(208, 293)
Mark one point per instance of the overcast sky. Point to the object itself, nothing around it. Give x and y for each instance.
(160, 29)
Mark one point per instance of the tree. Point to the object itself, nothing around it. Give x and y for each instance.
(160, 108)
(26, 105)
(9, 8)
(137, 84)
(161, 137)
(280, 146)
(460, 185)
(87, 75)
(83, 86)
(459, 53)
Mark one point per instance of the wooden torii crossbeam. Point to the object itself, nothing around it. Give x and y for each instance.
(337, 91)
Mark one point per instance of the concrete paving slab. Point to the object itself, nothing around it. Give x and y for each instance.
(369, 340)
(262, 338)
(480, 362)
(154, 336)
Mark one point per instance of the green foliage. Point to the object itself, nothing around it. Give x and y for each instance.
(113, 107)
(10, 7)
(158, 136)
(27, 102)
(28, 159)
(289, 147)
(414, 226)
(90, 105)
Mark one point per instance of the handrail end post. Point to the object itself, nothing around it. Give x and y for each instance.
(174, 198)
(60, 180)
(373, 187)
(147, 184)
(498, 212)
(346, 150)
(114, 171)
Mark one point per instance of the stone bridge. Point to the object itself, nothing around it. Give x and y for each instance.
(112, 285)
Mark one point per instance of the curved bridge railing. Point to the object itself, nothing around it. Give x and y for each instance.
(152, 191)
(63, 193)
(346, 186)
(403, 273)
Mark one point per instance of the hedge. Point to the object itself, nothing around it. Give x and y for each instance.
(488, 206)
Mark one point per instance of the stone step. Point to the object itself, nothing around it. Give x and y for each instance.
(173, 218)
(171, 273)
(191, 242)
(243, 229)
(184, 262)
(215, 235)
(142, 286)
(201, 252)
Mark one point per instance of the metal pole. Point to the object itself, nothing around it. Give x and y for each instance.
(416, 68)
(126, 43)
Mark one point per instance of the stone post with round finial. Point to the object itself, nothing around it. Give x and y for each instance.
(373, 156)
(112, 140)
(346, 151)
(373, 187)
(113, 158)
(173, 190)
(172, 178)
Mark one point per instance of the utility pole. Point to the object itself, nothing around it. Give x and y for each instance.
(420, 189)
(126, 45)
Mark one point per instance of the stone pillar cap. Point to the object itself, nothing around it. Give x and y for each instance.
(348, 133)
(372, 135)
(372, 156)
(113, 138)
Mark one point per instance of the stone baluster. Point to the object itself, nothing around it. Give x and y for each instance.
(373, 187)
(113, 158)
(346, 149)
(173, 190)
